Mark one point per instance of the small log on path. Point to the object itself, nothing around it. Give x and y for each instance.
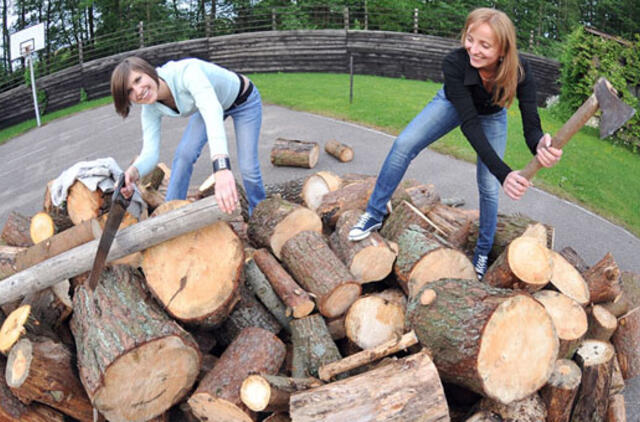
(408, 389)
(525, 264)
(480, 336)
(274, 221)
(574, 259)
(616, 412)
(561, 389)
(271, 393)
(41, 227)
(370, 259)
(314, 265)
(373, 320)
(316, 186)
(44, 371)
(530, 409)
(84, 204)
(626, 339)
(16, 230)
(595, 358)
(422, 259)
(190, 285)
(295, 298)
(313, 346)
(342, 152)
(134, 362)
(217, 397)
(603, 280)
(569, 318)
(602, 323)
(295, 153)
(568, 280)
(257, 282)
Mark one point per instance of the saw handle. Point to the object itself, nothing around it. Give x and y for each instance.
(117, 194)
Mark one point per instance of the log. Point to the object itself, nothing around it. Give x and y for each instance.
(568, 317)
(616, 411)
(51, 306)
(602, 324)
(603, 280)
(260, 286)
(271, 393)
(560, 391)
(627, 343)
(617, 381)
(278, 417)
(595, 359)
(41, 227)
(192, 287)
(316, 186)
(568, 280)
(336, 327)
(131, 239)
(484, 416)
(8, 259)
(423, 197)
(44, 371)
(408, 389)
(373, 320)
(348, 197)
(319, 271)
(342, 152)
(525, 264)
(134, 362)
(313, 346)
(274, 221)
(16, 230)
(454, 224)
(530, 409)
(217, 397)
(22, 323)
(631, 287)
(404, 215)
(480, 336)
(298, 302)
(294, 153)
(370, 259)
(59, 215)
(84, 204)
(153, 186)
(618, 306)
(574, 259)
(422, 260)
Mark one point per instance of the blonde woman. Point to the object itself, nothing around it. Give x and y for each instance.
(481, 79)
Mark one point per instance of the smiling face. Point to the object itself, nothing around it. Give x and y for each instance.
(483, 47)
(141, 88)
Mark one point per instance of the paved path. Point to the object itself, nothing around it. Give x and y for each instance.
(31, 160)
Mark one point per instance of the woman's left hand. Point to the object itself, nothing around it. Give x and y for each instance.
(226, 193)
(547, 155)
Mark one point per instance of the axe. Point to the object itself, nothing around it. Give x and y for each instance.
(615, 113)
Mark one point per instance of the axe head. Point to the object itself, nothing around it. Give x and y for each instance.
(615, 113)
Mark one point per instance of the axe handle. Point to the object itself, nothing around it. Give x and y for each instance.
(562, 137)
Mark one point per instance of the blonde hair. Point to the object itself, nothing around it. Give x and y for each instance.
(510, 70)
(120, 81)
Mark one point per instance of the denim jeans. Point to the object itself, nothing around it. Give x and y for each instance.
(247, 119)
(437, 119)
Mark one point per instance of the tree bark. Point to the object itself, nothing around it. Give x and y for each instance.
(530, 409)
(404, 215)
(342, 152)
(626, 339)
(16, 230)
(271, 393)
(616, 411)
(603, 280)
(20, 323)
(617, 381)
(294, 153)
(316, 186)
(423, 197)
(260, 286)
(602, 324)
(574, 259)
(455, 224)
(561, 389)
(618, 306)
(313, 346)
(568, 280)
(568, 317)
(595, 358)
(348, 197)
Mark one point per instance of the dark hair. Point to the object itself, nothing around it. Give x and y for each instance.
(120, 80)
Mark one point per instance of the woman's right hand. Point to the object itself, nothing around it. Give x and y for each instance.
(515, 185)
(131, 176)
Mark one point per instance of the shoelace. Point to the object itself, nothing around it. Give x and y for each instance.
(481, 264)
(363, 220)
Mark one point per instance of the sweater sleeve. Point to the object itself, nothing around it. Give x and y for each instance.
(150, 153)
(460, 96)
(527, 103)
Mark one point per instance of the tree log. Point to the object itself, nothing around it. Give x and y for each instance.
(16, 230)
(626, 339)
(134, 362)
(618, 306)
(23, 323)
(41, 227)
(370, 259)
(84, 204)
(404, 215)
(349, 197)
(616, 411)
(313, 346)
(278, 417)
(344, 153)
(454, 224)
(312, 263)
(295, 153)
(316, 186)
(574, 259)
(481, 336)
(602, 324)
(274, 221)
(603, 280)
(43, 371)
(568, 317)
(484, 416)
(631, 287)
(529, 409)
(260, 286)
(617, 381)
(372, 320)
(595, 358)
(423, 197)
(271, 393)
(568, 280)
(408, 389)
(217, 397)
(561, 389)
(59, 215)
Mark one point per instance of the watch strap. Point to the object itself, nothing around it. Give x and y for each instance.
(222, 163)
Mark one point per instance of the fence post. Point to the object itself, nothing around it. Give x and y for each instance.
(366, 16)
(80, 53)
(273, 20)
(207, 25)
(346, 18)
(141, 32)
(415, 20)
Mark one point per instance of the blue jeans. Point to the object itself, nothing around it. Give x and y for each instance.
(247, 119)
(437, 119)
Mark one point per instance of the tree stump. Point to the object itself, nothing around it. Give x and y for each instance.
(373, 320)
(274, 221)
(407, 389)
(43, 371)
(568, 280)
(370, 259)
(568, 317)
(271, 393)
(530, 409)
(595, 358)
(603, 280)
(627, 342)
(217, 397)
(499, 343)
(316, 186)
(525, 264)
(84, 204)
(295, 153)
(196, 276)
(561, 389)
(312, 263)
(16, 230)
(134, 362)
(602, 323)
(313, 346)
(342, 152)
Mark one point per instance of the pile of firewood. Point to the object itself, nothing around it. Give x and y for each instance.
(279, 317)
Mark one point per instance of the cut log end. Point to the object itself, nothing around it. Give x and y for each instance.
(427, 297)
(568, 316)
(367, 269)
(595, 352)
(520, 330)
(42, 227)
(301, 219)
(339, 300)
(255, 392)
(530, 261)
(441, 263)
(373, 320)
(568, 280)
(18, 363)
(317, 185)
(224, 411)
(566, 375)
(13, 327)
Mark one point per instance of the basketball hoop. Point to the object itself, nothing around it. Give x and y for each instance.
(27, 47)
(23, 44)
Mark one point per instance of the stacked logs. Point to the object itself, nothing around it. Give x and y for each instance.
(279, 317)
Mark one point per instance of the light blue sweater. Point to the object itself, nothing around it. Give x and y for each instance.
(196, 85)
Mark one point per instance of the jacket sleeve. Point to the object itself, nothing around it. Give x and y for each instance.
(150, 153)
(528, 105)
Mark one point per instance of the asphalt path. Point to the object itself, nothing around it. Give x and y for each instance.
(29, 161)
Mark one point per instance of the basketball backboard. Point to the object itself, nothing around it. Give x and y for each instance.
(27, 41)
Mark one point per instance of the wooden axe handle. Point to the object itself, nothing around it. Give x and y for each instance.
(562, 137)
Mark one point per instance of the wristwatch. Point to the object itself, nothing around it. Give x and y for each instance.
(222, 163)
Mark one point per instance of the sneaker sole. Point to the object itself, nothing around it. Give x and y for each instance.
(364, 235)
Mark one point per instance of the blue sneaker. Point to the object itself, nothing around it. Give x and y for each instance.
(481, 265)
(366, 224)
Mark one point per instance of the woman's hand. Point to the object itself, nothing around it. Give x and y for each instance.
(547, 155)
(131, 176)
(226, 193)
(515, 185)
